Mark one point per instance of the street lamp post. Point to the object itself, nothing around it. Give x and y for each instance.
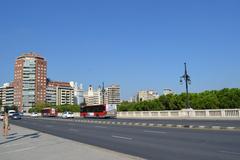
(103, 92)
(187, 80)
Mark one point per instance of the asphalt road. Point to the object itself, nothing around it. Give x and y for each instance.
(146, 142)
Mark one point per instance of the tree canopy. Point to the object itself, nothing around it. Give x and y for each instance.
(60, 108)
(222, 99)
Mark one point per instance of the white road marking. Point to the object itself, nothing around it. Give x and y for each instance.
(229, 152)
(119, 137)
(100, 127)
(148, 131)
(18, 150)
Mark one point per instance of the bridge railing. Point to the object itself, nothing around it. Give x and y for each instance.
(185, 113)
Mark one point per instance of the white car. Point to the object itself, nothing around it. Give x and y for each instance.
(67, 115)
(11, 112)
(34, 114)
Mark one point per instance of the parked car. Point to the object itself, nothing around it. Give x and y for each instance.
(34, 114)
(67, 115)
(11, 112)
(16, 116)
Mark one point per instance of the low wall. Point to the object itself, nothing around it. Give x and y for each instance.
(185, 113)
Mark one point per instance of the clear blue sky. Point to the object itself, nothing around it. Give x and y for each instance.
(139, 44)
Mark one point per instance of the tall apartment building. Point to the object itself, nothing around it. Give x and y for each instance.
(111, 95)
(146, 95)
(78, 93)
(59, 93)
(29, 80)
(7, 95)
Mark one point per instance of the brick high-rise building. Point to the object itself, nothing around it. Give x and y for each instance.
(29, 80)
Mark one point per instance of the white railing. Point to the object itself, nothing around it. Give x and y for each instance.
(177, 114)
(185, 113)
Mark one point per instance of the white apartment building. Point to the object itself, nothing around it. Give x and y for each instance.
(167, 91)
(146, 95)
(59, 93)
(7, 95)
(92, 97)
(113, 94)
(78, 92)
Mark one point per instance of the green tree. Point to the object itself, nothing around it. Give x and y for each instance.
(223, 99)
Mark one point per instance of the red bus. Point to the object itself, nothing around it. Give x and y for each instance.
(99, 111)
(49, 112)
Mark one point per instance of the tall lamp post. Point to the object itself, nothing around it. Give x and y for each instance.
(187, 80)
(103, 93)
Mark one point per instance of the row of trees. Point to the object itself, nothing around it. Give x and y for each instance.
(60, 108)
(222, 99)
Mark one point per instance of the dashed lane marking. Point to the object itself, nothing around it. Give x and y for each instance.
(119, 137)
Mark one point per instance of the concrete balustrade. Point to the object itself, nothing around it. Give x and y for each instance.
(176, 114)
(185, 113)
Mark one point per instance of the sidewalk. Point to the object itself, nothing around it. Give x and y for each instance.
(22, 144)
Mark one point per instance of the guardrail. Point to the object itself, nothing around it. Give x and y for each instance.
(185, 113)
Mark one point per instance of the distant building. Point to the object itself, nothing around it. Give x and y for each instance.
(146, 95)
(29, 80)
(7, 95)
(167, 92)
(59, 93)
(111, 95)
(78, 93)
(92, 97)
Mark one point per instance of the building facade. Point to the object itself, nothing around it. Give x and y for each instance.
(78, 93)
(146, 95)
(59, 93)
(1, 90)
(7, 95)
(92, 97)
(168, 91)
(29, 80)
(111, 95)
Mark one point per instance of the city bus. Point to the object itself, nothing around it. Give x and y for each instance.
(99, 111)
(49, 112)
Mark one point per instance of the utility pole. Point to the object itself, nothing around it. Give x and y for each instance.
(187, 79)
